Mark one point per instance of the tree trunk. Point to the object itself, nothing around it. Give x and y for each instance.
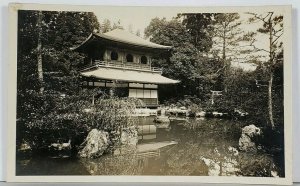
(224, 61)
(39, 54)
(224, 48)
(270, 101)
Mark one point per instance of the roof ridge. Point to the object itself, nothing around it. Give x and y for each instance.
(124, 36)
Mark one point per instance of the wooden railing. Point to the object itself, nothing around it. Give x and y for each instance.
(132, 66)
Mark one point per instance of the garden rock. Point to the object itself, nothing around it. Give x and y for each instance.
(162, 119)
(95, 144)
(246, 140)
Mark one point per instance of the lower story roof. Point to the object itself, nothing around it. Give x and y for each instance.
(128, 76)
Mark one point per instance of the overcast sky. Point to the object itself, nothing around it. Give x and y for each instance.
(139, 18)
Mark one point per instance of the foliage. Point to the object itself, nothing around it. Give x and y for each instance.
(272, 27)
(226, 37)
(261, 166)
(113, 114)
(72, 117)
(188, 61)
(227, 34)
(59, 31)
(199, 26)
(107, 26)
(52, 117)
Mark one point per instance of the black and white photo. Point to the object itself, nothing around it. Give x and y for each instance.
(151, 91)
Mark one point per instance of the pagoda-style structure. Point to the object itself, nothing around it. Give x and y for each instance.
(123, 60)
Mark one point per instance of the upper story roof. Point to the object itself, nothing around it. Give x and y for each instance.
(122, 37)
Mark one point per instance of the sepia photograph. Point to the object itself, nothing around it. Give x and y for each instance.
(151, 91)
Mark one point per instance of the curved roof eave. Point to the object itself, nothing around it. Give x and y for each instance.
(152, 45)
(135, 40)
(85, 41)
(129, 76)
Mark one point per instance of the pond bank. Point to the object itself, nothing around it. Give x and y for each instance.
(195, 144)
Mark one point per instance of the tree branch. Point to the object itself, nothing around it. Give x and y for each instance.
(277, 37)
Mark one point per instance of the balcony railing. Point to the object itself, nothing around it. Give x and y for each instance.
(131, 66)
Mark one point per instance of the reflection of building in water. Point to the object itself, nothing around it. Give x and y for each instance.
(153, 133)
(147, 132)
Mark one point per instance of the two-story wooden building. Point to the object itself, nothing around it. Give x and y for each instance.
(123, 60)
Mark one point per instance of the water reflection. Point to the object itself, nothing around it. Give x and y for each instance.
(183, 147)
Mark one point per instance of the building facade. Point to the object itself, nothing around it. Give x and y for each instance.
(123, 60)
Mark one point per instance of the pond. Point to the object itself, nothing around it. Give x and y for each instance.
(197, 147)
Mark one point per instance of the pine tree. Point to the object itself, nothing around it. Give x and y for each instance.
(273, 28)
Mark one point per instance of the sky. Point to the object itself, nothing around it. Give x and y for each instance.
(140, 17)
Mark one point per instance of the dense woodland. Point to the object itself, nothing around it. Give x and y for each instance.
(50, 102)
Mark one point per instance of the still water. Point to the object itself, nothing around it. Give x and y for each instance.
(184, 147)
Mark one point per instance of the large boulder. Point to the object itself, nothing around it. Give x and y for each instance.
(246, 142)
(95, 144)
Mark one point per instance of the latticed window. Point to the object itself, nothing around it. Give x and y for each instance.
(144, 60)
(129, 58)
(114, 55)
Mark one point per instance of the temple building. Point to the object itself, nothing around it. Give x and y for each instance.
(123, 60)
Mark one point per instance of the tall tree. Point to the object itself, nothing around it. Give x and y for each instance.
(72, 28)
(117, 25)
(44, 41)
(199, 25)
(226, 32)
(226, 39)
(39, 52)
(272, 26)
(186, 62)
(138, 33)
(35, 33)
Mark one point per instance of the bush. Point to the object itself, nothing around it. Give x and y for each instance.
(72, 117)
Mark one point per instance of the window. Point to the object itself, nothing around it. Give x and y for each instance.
(129, 58)
(144, 60)
(142, 93)
(114, 55)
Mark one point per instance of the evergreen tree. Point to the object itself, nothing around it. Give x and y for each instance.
(188, 59)
(273, 28)
(226, 36)
(47, 37)
(106, 26)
